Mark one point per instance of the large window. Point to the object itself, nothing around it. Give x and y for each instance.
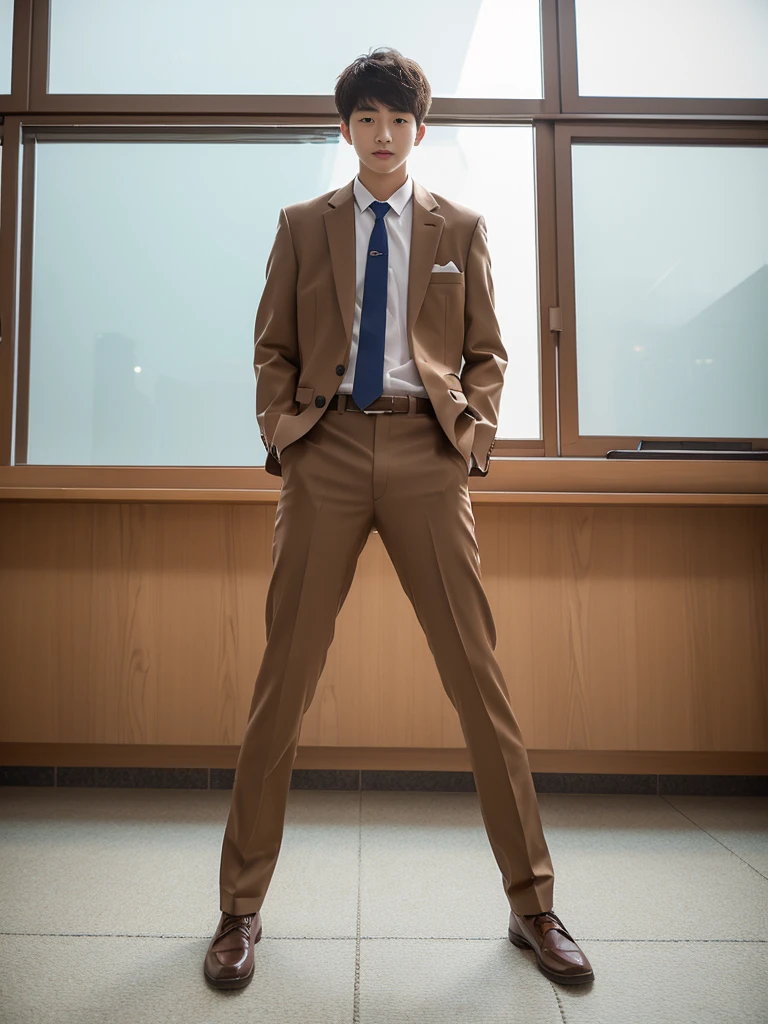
(149, 261)
(490, 48)
(618, 152)
(6, 41)
(688, 48)
(671, 285)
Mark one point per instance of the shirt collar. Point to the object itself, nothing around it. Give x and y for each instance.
(397, 200)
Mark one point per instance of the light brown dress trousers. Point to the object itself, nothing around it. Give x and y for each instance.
(344, 472)
(399, 473)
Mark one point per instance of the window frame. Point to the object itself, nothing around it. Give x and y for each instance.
(631, 106)
(574, 444)
(556, 119)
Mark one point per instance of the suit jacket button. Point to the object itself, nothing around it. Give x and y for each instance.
(340, 370)
(320, 401)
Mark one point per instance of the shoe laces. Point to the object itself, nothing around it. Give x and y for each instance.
(236, 922)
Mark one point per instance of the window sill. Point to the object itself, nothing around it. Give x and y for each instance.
(511, 481)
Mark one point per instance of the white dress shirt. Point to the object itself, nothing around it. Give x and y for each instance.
(401, 376)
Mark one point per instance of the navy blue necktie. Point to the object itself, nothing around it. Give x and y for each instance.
(369, 368)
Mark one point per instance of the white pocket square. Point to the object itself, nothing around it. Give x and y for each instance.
(449, 268)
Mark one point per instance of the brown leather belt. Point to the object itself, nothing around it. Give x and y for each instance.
(386, 403)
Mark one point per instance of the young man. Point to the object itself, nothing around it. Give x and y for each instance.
(375, 294)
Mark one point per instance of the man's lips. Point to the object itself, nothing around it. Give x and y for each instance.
(383, 152)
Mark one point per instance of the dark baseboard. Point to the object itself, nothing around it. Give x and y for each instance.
(413, 781)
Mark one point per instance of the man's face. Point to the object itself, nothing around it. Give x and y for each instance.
(380, 128)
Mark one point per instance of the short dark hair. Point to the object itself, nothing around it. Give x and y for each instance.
(388, 77)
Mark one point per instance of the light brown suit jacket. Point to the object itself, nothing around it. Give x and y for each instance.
(303, 331)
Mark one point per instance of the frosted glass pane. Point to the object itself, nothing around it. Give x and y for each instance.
(467, 48)
(6, 45)
(671, 251)
(678, 48)
(148, 266)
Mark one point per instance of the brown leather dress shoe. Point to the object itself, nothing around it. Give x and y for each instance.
(229, 960)
(557, 955)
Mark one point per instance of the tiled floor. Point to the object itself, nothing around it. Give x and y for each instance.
(385, 908)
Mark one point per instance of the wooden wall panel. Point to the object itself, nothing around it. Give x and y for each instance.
(619, 628)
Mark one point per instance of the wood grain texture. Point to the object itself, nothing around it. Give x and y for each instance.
(619, 628)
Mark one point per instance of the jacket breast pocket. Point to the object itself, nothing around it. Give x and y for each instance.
(446, 277)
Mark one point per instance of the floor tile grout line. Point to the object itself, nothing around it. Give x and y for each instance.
(558, 1000)
(350, 938)
(356, 992)
(724, 845)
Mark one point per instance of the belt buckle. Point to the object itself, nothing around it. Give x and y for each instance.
(378, 412)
